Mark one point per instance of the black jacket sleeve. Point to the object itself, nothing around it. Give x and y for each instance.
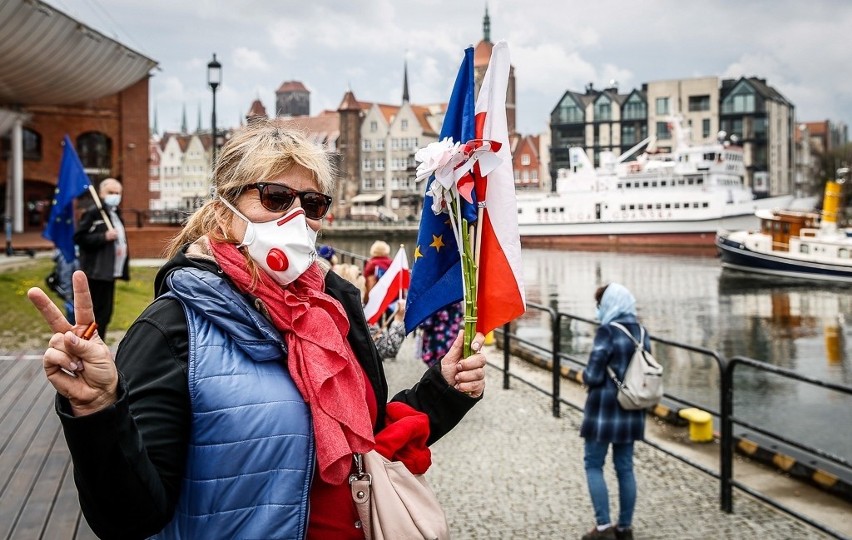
(129, 458)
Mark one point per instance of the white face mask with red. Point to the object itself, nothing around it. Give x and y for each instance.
(284, 247)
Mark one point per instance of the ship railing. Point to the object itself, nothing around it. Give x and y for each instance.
(565, 331)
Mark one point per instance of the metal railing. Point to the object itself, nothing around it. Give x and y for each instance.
(512, 342)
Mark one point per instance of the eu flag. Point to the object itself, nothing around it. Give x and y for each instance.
(72, 183)
(436, 276)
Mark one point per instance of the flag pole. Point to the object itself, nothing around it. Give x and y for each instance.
(100, 207)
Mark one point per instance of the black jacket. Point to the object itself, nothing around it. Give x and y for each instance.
(97, 254)
(129, 457)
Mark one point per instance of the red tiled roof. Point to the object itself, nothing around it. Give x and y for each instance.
(482, 53)
(257, 109)
(292, 86)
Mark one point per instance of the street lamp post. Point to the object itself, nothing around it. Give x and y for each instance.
(214, 79)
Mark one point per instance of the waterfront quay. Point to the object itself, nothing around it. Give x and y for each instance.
(509, 470)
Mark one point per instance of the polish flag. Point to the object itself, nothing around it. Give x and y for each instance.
(389, 287)
(500, 285)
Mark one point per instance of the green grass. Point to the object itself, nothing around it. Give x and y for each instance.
(23, 326)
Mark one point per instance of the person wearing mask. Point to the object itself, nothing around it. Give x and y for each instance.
(238, 398)
(605, 423)
(102, 245)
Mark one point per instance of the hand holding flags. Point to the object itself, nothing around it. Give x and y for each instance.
(472, 168)
(72, 183)
(390, 286)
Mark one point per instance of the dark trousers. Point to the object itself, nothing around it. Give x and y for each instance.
(103, 294)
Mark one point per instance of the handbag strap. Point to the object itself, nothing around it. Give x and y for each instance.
(360, 483)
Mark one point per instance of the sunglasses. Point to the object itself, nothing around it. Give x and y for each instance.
(279, 198)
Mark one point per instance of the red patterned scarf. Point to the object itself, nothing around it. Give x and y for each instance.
(320, 360)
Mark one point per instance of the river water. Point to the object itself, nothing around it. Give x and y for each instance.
(689, 299)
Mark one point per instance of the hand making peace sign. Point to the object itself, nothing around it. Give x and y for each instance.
(81, 370)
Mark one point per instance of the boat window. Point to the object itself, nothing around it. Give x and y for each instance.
(633, 207)
(623, 207)
(705, 205)
(562, 210)
(843, 253)
(804, 248)
(644, 184)
(654, 183)
(710, 156)
(668, 205)
(690, 181)
(658, 206)
(538, 210)
(620, 185)
(695, 205)
(677, 205)
(699, 181)
(663, 183)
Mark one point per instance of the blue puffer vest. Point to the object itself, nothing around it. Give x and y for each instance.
(251, 452)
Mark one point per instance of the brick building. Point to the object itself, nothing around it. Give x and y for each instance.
(75, 81)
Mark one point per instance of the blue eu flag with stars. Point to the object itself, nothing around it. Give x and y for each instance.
(436, 276)
(72, 183)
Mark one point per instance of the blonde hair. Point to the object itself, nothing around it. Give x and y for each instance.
(379, 249)
(260, 151)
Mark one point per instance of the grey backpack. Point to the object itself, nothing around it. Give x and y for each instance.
(642, 386)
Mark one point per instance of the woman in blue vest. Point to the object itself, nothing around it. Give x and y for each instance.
(605, 423)
(238, 397)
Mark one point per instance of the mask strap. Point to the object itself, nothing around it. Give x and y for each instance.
(234, 210)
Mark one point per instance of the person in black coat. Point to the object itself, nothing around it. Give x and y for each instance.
(104, 256)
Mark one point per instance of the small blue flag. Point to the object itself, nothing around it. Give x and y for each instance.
(72, 183)
(436, 276)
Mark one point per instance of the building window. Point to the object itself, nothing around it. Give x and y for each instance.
(705, 128)
(380, 164)
(95, 151)
(699, 103)
(569, 112)
(403, 125)
(365, 144)
(740, 100)
(603, 109)
(366, 165)
(662, 105)
(374, 126)
(380, 144)
(525, 159)
(663, 131)
(635, 109)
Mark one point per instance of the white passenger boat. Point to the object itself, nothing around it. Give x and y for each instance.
(679, 198)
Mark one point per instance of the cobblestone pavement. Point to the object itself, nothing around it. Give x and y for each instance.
(512, 470)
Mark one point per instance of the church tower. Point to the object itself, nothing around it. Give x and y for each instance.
(481, 57)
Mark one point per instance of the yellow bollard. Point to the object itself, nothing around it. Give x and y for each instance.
(489, 338)
(700, 424)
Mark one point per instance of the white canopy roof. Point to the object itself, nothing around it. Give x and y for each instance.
(49, 58)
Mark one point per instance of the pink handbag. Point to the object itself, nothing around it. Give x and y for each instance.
(393, 503)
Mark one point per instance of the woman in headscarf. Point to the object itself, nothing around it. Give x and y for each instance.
(605, 423)
(237, 399)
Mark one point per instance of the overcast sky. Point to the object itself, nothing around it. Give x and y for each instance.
(802, 48)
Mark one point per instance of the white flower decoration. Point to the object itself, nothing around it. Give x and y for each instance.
(434, 157)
